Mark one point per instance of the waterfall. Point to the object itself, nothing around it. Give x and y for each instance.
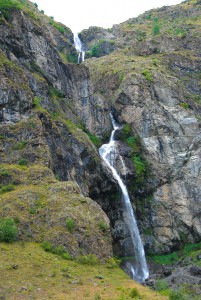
(79, 48)
(138, 269)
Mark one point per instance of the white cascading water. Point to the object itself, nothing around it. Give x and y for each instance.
(79, 48)
(138, 269)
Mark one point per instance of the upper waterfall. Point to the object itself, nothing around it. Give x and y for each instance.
(79, 48)
(108, 152)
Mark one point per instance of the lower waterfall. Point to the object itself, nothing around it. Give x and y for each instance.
(138, 269)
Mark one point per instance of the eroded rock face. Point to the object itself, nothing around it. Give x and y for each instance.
(159, 104)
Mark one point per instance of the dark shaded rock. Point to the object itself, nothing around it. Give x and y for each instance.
(195, 271)
(167, 272)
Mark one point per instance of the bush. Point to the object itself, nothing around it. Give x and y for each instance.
(127, 131)
(36, 102)
(184, 105)
(161, 285)
(60, 250)
(70, 224)
(47, 246)
(155, 62)
(147, 75)
(23, 162)
(139, 165)
(89, 259)
(134, 293)
(35, 4)
(156, 29)
(8, 230)
(113, 263)
(177, 295)
(103, 226)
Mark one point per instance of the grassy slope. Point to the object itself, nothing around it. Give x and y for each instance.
(28, 272)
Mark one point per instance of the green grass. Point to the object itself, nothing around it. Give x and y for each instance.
(7, 188)
(44, 275)
(57, 26)
(189, 250)
(7, 6)
(94, 139)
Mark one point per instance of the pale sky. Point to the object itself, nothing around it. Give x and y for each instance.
(80, 14)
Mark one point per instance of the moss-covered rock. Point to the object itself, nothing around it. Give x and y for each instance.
(40, 206)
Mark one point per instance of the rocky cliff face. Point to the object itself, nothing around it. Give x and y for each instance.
(51, 110)
(154, 85)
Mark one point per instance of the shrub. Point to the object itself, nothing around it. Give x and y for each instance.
(127, 131)
(89, 259)
(138, 164)
(113, 263)
(133, 142)
(70, 224)
(156, 29)
(8, 230)
(42, 11)
(134, 293)
(23, 162)
(103, 226)
(60, 250)
(36, 102)
(155, 62)
(177, 295)
(161, 285)
(47, 246)
(184, 105)
(147, 75)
